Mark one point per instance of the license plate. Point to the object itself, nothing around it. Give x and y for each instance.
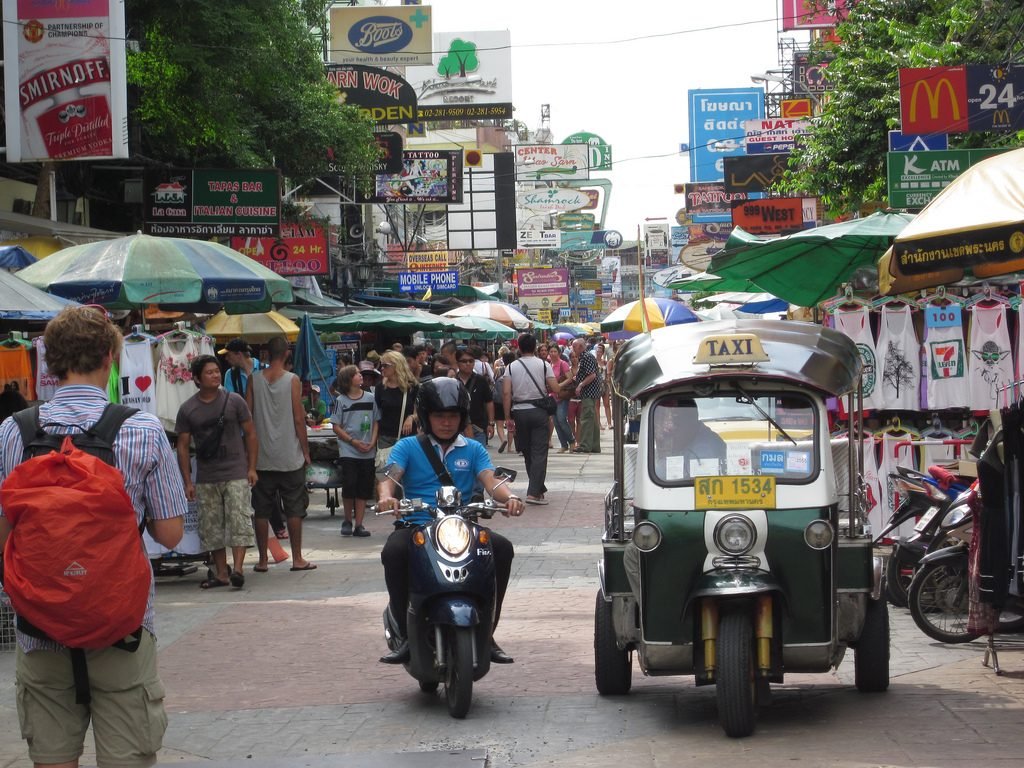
(746, 492)
(926, 518)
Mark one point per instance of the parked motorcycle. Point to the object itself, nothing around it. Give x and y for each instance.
(451, 596)
(937, 500)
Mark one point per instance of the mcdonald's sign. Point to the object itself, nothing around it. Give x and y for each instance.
(995, 98)
(933, 100)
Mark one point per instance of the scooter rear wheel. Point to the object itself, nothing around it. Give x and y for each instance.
(897, 580)
(458, 677)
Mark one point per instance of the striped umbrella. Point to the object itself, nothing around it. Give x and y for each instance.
(627, 320)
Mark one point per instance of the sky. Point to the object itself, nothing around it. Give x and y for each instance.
(622, 70)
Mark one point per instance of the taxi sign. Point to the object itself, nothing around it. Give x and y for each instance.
(731, 349)
(743, 492)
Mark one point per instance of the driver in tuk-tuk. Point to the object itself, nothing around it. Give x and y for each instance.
(684, 446)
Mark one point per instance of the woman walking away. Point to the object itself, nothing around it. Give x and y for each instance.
(355, 424)
(606, 392)
(526, 385)
(500, 366)
(395, 397)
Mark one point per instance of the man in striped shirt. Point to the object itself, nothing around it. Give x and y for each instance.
(126, 710)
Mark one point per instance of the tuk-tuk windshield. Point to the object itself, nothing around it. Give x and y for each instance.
(727, 435)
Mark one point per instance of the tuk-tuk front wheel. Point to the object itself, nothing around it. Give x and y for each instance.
(871, 653)
(736, 684)
(613, 669)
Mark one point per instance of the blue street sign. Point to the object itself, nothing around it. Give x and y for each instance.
(417, 282)
(917, 142)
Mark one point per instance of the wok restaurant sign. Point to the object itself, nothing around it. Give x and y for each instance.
(209, 202)
(301, 250)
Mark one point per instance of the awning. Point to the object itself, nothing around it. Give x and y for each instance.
(14, 224)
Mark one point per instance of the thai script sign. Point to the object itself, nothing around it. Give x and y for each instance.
(773, 135)
(64, 80)
(716, 127)
(210, 202)
(301, 250)
(381, 36)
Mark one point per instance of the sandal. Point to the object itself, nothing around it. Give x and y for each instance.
(212, 584)
(236, 579)
(282, 534)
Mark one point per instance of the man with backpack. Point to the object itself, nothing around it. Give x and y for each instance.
(238, 355)
(69, 670)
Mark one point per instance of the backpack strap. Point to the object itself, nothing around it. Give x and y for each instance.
(31, 431)
(435, 461)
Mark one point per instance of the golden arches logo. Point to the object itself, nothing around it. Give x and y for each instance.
(1001, 117)
(932, 95)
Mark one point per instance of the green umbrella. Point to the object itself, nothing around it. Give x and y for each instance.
(705, 281)
(808, 267)
(401, 320)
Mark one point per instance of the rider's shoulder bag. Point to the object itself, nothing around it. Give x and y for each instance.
(435, 461)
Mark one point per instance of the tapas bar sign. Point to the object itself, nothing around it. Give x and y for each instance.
(206, 202)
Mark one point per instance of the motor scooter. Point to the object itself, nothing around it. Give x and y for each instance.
(928, 499)
(452, 591)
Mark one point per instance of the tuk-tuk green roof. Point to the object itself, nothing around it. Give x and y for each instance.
(803, 353)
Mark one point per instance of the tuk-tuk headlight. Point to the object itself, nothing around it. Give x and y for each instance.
(646, 536)
(818, 534)
(735, 535)
(453, 536)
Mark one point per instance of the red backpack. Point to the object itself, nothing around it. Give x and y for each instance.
(74, 565)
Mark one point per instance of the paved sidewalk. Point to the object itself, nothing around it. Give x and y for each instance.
(284, 673)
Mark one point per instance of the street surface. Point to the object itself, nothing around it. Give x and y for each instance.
(284, 673)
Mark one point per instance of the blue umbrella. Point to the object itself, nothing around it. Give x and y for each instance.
(310, 361)
(14, 257)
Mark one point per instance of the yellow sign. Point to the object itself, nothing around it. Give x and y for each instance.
(743, 492)
(544, 315)
(428, 261)
(731, 349)
(932, 95)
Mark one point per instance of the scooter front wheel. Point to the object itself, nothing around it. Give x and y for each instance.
(458, 676)
(938, 601)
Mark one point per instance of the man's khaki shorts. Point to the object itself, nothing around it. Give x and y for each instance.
(225, 515)
(127, 708)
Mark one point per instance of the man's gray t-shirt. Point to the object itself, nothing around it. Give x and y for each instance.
(199, 418)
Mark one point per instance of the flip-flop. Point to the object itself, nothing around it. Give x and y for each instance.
(258, 569)
(236, 579)
(212, 584)
(306, 567)
(531, 500)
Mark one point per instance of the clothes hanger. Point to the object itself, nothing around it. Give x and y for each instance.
(139, 334)
(15, 339)
(845, 300)
(892, 301)
(181, 328)
(987, 295)
(937, 429)
(939, 298)
(895, 427)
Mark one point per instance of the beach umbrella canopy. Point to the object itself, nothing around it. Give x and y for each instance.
(479, 328)
(403, 321)
(172, 272)
(808, 267)
(627, 320)
(21, 301)
(504, 313)
(976, 225)
(310, 361)
(256, 328)
(14, 257)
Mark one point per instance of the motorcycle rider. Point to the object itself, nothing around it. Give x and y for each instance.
(443, 412)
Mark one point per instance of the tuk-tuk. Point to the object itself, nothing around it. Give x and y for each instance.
(736, 547)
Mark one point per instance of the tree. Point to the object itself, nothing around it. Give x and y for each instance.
(222, 83)
(843, 159)
(460, 59)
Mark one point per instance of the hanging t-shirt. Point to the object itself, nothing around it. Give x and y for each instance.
(173, 378)
(46, 382)
(989, 364)
(856, 323)
(138, 375)
(16, 365)
(946, 358)
(894, 455)
(899, 356)
(873, 487)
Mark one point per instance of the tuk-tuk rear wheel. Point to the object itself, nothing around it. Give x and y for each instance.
(613, 669)
(736, 685)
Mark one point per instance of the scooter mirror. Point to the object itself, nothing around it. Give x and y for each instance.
(505, 474)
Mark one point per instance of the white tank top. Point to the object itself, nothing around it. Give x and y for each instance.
(989, 365)
(899, 356)
(137, 386)
(856, 323)
(892, 457)
(873, 488)
(946, 368)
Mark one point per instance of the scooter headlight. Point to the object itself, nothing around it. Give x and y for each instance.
(453, 536)
(735, 535)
